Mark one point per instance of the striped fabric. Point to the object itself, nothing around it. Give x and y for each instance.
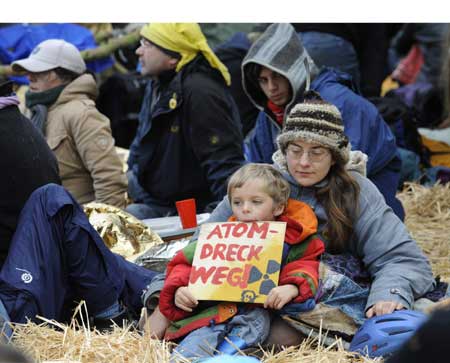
(317, 121)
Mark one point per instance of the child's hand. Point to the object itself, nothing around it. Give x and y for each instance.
(184, 299)
(280, 296)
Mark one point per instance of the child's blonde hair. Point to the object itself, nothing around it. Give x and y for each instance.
(275, 185)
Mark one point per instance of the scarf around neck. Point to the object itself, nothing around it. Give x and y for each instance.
(46, 98)
(38, 102)
(278, 112)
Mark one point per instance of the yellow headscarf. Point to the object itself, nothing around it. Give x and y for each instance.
(186, 39)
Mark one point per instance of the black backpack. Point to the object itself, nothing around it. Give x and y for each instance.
(394, 110)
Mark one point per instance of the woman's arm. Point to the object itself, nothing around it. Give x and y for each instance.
(400, 271)
(222, 212)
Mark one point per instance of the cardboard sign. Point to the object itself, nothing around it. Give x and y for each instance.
(236, 261)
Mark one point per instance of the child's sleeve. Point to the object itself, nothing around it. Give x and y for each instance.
(177, 275)
(302, 268)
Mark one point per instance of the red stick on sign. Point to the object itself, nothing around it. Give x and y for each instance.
(187, 212)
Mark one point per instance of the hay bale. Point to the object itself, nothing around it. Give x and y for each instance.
(428, 220)
(70, 343)
(55, 342)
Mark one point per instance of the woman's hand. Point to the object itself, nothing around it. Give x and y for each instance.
(383, 307)
(184, 299)
(280, 296)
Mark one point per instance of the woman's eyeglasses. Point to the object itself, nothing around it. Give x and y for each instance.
(315, 154)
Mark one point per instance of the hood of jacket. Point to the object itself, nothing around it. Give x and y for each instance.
(83, 87)
(280, 49)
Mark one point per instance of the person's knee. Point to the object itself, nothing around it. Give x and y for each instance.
(46, 190)
(52, 197)
(139, 210)
(283, 334)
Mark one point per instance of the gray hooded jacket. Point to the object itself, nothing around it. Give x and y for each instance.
(287, 57)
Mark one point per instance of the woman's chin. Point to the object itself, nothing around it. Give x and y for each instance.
(305, 181)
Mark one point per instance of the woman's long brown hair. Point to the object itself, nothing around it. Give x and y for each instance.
(340, 198)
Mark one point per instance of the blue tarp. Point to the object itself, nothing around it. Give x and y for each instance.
(17, 42)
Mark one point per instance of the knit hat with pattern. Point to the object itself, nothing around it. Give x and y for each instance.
(315, 120)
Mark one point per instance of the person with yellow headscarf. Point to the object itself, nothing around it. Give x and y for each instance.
(189, 138)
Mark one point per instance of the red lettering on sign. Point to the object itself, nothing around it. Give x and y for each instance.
(240, 229)
(224, 230)
(220, 275)
(227, 227)
(201, 273)
(216, 231)
(231, 252)
(236, 276)
(245, 276)
(262, 229)
(254, 252)
(219, 250)
(239, 277)
(206, 251)
(240, 255)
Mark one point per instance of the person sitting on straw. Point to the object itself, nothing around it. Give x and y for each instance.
(256, 192)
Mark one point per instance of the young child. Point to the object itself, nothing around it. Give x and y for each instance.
(256, 192)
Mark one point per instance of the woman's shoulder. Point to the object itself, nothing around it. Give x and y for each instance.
(369, 193)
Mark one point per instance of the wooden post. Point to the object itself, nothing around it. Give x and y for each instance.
(92, 54)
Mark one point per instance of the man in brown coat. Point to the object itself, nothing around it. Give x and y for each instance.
(62, 101)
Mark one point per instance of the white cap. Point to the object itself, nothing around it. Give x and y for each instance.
(51, 54)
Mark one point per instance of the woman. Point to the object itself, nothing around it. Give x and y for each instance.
(354, 220)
